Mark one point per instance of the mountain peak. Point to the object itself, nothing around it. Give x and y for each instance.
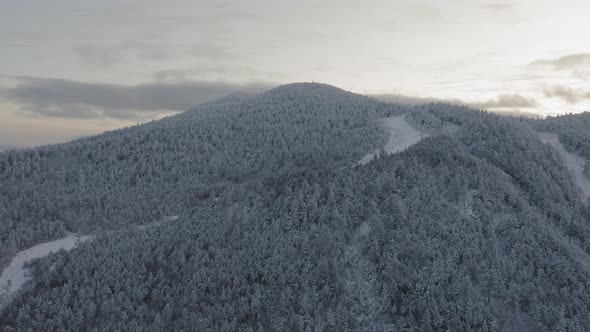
(305, 89)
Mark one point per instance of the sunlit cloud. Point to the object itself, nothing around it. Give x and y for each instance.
(572, 61)
(570, 95)
(507, 101)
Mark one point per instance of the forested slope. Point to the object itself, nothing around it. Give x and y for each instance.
(573, 132)
(136, 175)
(474, 228)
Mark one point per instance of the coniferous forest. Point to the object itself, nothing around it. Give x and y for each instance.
(478, 226)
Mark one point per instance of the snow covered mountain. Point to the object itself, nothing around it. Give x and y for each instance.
(476, 224)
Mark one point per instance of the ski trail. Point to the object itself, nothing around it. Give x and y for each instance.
(164, 220)
(573, 162)
(401, 136)
(359, 287)
(15, 274)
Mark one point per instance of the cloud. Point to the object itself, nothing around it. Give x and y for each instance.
(411, 100)
(102, 55)
(517, 113)
(582, 74)
(96, 56)
(74, 99)
(209, 51)
(498, 6)
(506, 101)
(572, 61)
(570, 95)
(212, 70)
(110, 54)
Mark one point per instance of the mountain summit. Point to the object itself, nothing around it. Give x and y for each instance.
(255, 214)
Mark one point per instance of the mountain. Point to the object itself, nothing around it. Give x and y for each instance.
(138, 174)
(417, 101)
(6, 147)
(477, 226)
(572, 130)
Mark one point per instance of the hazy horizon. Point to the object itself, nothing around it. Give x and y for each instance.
(74, 68)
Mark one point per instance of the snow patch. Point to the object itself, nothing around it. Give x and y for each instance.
(15, 275)
(171, 218)
(572, 161)
(401, 136)
(466, 209)
(165, 219)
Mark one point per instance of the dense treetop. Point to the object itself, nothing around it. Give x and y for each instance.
(477, 227)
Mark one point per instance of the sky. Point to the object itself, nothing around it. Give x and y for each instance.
(71, 68)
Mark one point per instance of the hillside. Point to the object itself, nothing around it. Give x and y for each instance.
(478, 226)
(139, 174)
(572, 132)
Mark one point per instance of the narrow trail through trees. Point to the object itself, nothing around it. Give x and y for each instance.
(15, 274)
(359, 286)
(573, 162)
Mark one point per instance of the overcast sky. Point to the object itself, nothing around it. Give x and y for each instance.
(74, 67)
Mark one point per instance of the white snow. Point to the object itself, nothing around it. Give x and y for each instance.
(15, 275)
(401, 136)
(171, 218)
(466, 208)
(573, 162)
(164, 220)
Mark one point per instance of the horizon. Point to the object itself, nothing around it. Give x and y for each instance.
(320, 165)
(393, 99)
(82, 68)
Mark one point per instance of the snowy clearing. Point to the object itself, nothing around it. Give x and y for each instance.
(15, 274)
(165, 219)
(573, 162)
(401, 136)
